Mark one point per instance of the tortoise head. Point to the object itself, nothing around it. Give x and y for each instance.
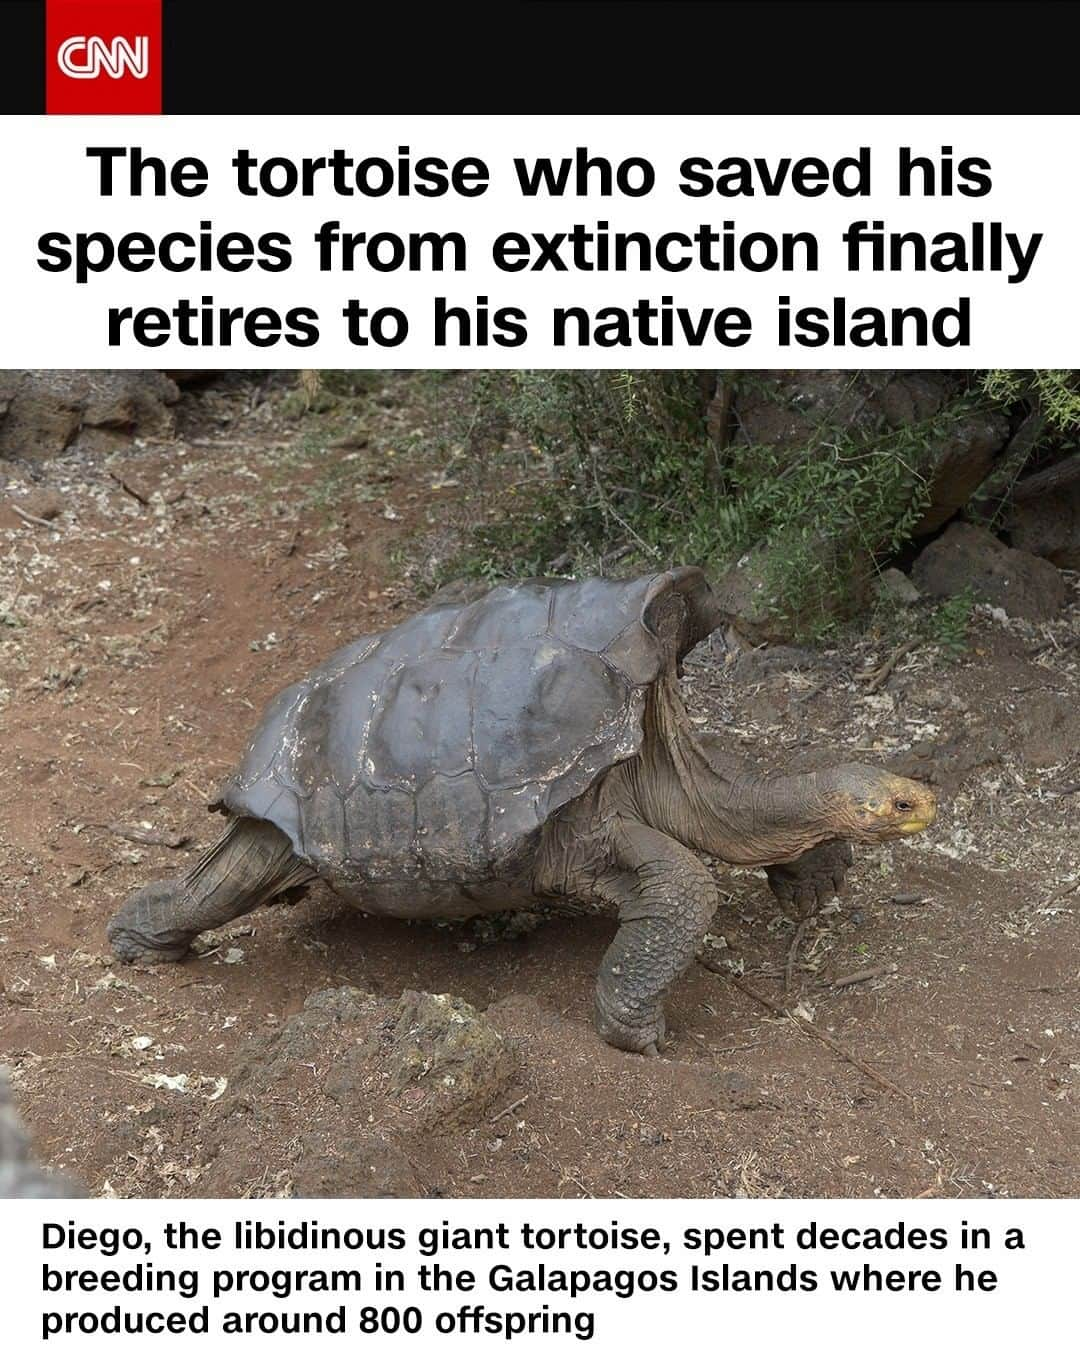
(872, 806)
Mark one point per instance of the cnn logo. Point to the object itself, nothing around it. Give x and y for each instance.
(103, 56)
(85, 58)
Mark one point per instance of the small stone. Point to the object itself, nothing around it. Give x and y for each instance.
(894, 586)
(177, 1082)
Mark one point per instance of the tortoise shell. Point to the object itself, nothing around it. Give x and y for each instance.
(435, 752)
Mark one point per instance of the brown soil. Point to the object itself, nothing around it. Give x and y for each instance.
(183, 583)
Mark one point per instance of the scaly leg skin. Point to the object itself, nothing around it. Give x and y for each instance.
(804, 885)
(666, 902)
(249, 865)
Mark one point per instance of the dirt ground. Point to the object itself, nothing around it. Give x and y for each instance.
(182, 584)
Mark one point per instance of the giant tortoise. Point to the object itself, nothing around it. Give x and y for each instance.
(530, 745)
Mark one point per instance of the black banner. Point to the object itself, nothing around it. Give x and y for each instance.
(545, 55)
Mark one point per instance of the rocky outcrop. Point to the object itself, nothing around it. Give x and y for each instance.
(969, 558)
(964, 454)
(440, 1056)
(364, 1081)
(790, 409)
(895, 589)
(44, 412)
(744, 594)
(1045, 514)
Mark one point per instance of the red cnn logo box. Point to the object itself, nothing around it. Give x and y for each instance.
(103, 57)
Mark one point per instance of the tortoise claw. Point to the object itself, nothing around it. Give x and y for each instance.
(139, 932)
(636, 1037)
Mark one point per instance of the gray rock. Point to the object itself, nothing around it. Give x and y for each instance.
(895, 588)
(443, 1059)
(302, 1039)
(744, 595)
(967, 557)
(20, 1177)
(1048, 525)
(346, 1005)
(963, 457)
(1047, 729)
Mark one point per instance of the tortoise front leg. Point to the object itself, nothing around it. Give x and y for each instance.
(249, 865)
(813, 878)
(666, 902)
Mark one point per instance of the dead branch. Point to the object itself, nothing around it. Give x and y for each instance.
(876, 678)
(136, 834)
(33, 520)
(131, 491)
(509, 1110)
(793, 950)
(861, 976)
(808, 1029)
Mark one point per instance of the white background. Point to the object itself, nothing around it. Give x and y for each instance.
(1032, 1283)
(48, 321)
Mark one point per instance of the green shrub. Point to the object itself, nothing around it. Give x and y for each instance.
(1054, 393)
(635, 476)
(621, 471)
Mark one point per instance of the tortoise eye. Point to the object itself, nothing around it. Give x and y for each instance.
(902, 804)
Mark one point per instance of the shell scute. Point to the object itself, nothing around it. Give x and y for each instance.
(435, 752)
(421, 723)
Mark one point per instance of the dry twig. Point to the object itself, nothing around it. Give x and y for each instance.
(793, 950)
(140, 497)
(861, 976)
(808, 1029)
(1062, 892)
(33, 520)
(874, 679)
(137, 834)
(509, 1110)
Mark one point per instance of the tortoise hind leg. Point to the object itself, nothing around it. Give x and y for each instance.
(251, 864)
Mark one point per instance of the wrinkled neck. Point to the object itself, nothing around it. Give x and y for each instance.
(717, 803)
